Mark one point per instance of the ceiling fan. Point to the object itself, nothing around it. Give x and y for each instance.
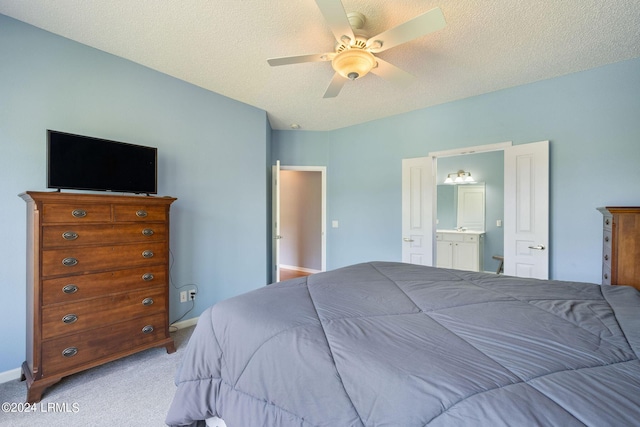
(354, 57)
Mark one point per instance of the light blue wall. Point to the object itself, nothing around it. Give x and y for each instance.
(592, 119)
(213, 153)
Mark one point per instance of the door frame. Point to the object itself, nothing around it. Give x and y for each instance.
(501, 146)
(323, 203)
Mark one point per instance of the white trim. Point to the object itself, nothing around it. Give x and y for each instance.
(471, 150)
(13, 374)
(185, 323)
(323, 178)
(302, 269)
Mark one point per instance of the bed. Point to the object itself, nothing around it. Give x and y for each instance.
(392, 344)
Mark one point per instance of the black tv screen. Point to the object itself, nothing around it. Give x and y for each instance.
(85, 163)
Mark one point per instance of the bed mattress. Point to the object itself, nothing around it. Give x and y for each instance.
(392, 344)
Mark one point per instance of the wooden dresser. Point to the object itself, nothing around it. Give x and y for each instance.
(97, 282)
(621, 246)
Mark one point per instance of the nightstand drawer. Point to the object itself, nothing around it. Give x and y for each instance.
(76, 213)
(130, 213)
(74, 288)
(88, 259)
(63, 319)
(78, 235)
(71, 352)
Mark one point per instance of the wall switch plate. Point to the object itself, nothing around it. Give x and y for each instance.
(499, 223)
(334, 223)
(183, 296)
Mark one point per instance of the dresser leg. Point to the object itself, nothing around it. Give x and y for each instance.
(35, 388)
(171, 347)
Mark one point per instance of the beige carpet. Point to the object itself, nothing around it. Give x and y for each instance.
(134, 391)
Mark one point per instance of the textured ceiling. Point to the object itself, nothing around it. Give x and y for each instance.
(222, 45)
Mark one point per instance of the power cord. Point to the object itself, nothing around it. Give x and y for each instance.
(191, 297)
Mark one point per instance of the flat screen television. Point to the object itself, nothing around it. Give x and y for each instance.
(85, 163)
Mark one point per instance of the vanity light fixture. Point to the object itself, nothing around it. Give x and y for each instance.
(460, 177)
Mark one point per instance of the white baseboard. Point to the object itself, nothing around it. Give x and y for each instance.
(13, 374)
(185, 323)
(302, 269)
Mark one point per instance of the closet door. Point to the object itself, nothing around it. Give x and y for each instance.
(526, 205)
(417, 210)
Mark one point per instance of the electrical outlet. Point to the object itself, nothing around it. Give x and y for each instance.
(192, 294)
(183, 296)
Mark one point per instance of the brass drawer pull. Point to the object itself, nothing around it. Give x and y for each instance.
(606, 238)
(79, 213)
(147, 277)
(69, 235)
(70, 261)
(606, 276)
(70, 289)
(70, 318)
(70, 351)
(606, 257)
(147, 232)
(607, 221)
(147, 301)
(147, 329)
(141, 213)
(147, 254)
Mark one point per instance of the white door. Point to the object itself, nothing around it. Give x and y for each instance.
(275, 219)
(417, 210)
(526, 210)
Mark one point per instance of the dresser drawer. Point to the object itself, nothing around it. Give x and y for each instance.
(88, 259)
(129, 213)
(74, 288)
(78, 235)
(75, 213)
(606, 256)
(606, 274)
(62, 319)
(70, 352)
(607, 222)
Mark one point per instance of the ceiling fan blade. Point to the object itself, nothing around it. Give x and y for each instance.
(419, 26)
(336, 17)
(335, 86)
(392, 73)
(286, 60)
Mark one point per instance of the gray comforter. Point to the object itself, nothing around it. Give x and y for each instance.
(390, 344)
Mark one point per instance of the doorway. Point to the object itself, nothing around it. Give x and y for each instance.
(526, 201)
(300, 220)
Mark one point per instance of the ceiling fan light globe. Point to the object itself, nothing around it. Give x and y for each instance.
(352, 62)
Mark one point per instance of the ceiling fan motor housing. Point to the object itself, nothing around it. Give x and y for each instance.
(353, 61)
